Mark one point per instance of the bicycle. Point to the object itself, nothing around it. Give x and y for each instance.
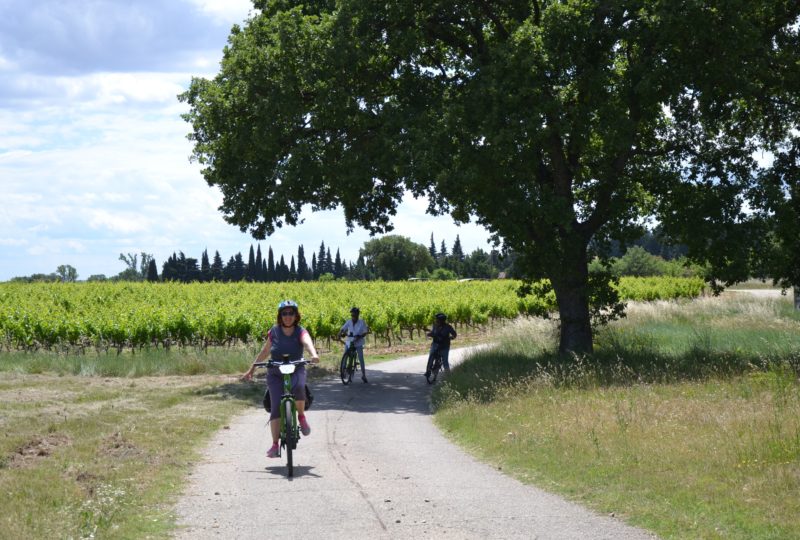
(349, 361)
(435, 367)
(290, 428)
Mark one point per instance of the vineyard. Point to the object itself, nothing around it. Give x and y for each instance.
(135, 315)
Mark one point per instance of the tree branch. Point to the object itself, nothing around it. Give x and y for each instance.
(487, 10)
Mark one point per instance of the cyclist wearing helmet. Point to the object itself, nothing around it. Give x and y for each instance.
(442, 333)
(286, 337)
(355, 329)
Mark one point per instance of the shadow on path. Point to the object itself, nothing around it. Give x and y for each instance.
(394, 392)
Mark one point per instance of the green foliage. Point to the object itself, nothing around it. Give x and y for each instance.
(553, 124)
(67, 273)
(122, 314)
(637, 262)
(138, 269)
(423, 274)
(36, 278)
(394, 257)
(443, 274)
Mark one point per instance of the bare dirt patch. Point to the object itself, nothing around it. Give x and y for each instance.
(37, 449)
(118, 447)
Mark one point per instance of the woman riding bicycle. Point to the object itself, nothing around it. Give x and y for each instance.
(442, 333)
(287, 337)
(355, 329)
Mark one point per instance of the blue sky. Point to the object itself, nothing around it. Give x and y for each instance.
(94, 159)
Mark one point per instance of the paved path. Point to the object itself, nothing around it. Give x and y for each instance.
(373, 467)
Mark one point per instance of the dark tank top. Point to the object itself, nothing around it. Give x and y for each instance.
(281, 344)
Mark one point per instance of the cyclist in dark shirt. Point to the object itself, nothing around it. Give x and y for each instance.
(441, 333)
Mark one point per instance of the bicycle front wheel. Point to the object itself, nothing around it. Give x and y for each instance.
(346, 369)
(289, 438)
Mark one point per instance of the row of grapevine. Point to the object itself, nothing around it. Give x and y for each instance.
(119, 315)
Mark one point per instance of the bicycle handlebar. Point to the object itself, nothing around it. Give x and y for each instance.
(276, 363)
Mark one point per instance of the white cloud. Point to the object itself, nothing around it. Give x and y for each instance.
(124, 223)
(225, 10)
(94, 156)
(13, 242)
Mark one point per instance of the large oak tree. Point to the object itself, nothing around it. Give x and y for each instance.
(558, 125)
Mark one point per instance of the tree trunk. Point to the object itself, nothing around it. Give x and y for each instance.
(571, 285)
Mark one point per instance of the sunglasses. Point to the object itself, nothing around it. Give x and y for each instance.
(287, 313)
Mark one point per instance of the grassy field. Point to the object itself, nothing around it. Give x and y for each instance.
(100, 445)
(685, 422)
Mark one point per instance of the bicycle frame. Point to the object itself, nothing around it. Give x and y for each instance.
(288, 407)
(349, 362)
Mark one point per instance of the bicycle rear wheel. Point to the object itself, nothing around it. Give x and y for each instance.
(351, 364)
(437, 365)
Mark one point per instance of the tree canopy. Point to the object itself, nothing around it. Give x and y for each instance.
(561, 126)
(395, 257)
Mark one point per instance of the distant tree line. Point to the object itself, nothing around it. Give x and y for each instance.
(652, 254)
(391, 257)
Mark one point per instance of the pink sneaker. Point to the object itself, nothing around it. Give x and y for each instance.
(305, 429)
(273, 451)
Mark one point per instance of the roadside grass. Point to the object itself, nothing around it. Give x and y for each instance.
(99, 445)
(190, 361)
(685, 421)
(143, 363)
(99, 457)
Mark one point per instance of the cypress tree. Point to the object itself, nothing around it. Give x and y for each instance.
(458, 253)
(292, 271)
(432, 248)
(259, 276)
(251, 265)
(328, 262)
(314, 267)
(192, 272)
(239, 268)
(205, 266)
(181, 266)
(281, 271)
(152, 271)
(321, 269)
(360, 270)
(338, 270)
(302, 266)
(169, 271)
(235, 270)
(230, 270)
(270, 266)
(217, 268)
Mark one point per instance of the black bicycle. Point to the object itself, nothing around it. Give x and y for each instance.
(436, 367)
(348, 364)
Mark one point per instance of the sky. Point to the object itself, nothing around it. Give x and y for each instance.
(94, 158)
